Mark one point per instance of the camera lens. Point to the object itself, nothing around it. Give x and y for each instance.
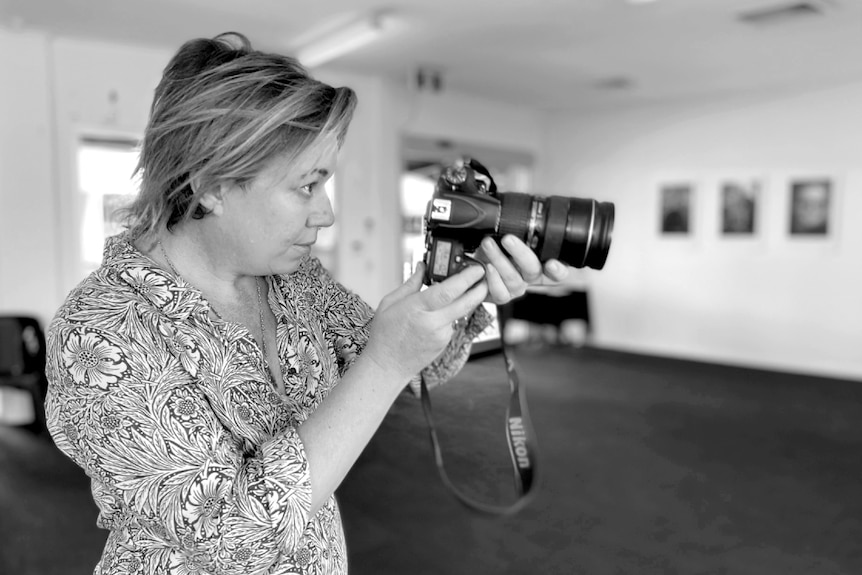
(588, 231)
(576, 231)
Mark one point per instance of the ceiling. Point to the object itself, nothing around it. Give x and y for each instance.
(545, 54)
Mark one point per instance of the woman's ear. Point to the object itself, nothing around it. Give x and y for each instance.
(211, 199)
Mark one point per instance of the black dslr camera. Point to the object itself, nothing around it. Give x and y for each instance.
(466, 207)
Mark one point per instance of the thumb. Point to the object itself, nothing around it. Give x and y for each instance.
(412, 285)
(415, 281)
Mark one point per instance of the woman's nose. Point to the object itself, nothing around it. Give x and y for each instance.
(322, 215)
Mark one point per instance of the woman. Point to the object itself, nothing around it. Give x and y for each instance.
(215, 383)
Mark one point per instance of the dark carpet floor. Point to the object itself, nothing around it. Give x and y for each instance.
(646, 466)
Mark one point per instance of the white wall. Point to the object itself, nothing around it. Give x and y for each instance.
(29, 273)
(470, 120)
(56, 90)
(98, 89)
(63, 88)
(367, 209)
(773, 301)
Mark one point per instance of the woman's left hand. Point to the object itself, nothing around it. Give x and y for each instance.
(508, 276)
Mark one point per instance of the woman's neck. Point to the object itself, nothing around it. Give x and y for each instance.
(234, 297)
(205, 265)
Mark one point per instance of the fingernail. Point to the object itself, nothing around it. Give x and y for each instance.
(509, 240)
(557, 267)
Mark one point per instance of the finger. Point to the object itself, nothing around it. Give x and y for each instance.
(415, 280)
(465, 304)
(504, 266)
(497, 291)
(556, 270)
(412, 285)
(525, 259)
(442, 294)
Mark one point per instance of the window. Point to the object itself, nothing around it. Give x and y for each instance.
(105, 184)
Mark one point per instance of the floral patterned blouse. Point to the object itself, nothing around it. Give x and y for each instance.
(195, 462)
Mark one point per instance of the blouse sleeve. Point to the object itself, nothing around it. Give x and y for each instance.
(456, 354)
(348, 319)
(121, 404)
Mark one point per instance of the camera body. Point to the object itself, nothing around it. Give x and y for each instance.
(466, 207)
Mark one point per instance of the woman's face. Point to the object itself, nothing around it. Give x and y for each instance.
(268, 226)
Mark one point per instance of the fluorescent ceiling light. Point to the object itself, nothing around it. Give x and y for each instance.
(343, 40)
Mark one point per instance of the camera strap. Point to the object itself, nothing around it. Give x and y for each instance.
(519, 434)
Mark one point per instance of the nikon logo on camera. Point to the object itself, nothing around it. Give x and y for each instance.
(441, 209)
(519, 442)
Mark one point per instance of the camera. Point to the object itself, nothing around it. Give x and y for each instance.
(466, 207)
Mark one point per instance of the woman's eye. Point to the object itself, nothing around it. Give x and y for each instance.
(309, 188)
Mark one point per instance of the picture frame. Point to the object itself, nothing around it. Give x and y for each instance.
(676, 208)
(740, 202)
(811, 202)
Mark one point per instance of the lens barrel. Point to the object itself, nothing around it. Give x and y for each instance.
(516, 216)
(589, 227)
(576, 231)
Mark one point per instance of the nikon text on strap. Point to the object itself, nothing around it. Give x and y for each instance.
(519, 434)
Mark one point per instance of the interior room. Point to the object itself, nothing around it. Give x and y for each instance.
(696, 401)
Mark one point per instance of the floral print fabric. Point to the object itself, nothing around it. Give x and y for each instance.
(195, 462)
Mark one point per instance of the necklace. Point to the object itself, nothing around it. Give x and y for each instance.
(262, 329)
(259, 309)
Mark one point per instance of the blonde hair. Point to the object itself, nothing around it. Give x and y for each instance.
(220, 112)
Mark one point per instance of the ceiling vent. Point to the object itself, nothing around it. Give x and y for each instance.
(615, 83)
(782, 13)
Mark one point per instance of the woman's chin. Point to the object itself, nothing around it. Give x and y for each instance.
(291, 261)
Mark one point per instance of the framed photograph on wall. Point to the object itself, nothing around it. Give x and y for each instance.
(740, 207)
(675, 208)
(811, 201)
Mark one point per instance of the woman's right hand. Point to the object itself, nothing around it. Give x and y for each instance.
(412, 326)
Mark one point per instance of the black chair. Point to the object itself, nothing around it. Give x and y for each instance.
(22, 362)
(551, 307)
